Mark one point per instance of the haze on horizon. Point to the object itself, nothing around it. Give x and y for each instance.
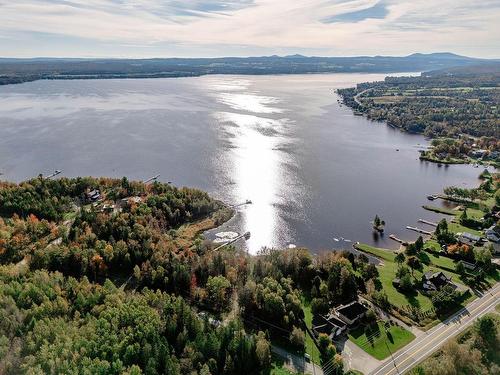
(210, 28)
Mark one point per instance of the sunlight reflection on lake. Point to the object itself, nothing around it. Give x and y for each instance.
(255, 164)
(316, 174)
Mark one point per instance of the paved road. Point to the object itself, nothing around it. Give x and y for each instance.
(426, 344)
(356, 97)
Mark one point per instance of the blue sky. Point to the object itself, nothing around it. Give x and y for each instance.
(165, 28)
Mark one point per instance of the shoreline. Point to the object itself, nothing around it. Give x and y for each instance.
(187, 75)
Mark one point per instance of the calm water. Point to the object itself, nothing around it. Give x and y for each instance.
(314, 171)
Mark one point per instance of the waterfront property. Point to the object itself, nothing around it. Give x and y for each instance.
(469, 239)
(493, 234)
(432, 281)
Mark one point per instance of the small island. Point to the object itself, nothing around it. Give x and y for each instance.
(378, 224)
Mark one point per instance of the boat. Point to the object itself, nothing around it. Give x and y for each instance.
(432, 197)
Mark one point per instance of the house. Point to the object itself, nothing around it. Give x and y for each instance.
(93, 195)
(493, 234)
(469, 239)
(435, 281)
(479, 153)
(129, 200)
(329, 325)
(351, 313)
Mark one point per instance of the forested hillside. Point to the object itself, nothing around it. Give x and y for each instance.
(106, 276)
(23, 70)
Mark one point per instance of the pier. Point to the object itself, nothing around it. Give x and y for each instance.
(248, 201)
(432, 224)
(394, 238)
(415, 229)
(154, 178)
(54, 174)
(244, 235)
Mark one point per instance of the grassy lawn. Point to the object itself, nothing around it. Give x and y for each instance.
(384, 254)
(458, 228)
(474, 213)
(311, 348)
(277, 367)
(377, 342)
(69, 215)
(387, 272)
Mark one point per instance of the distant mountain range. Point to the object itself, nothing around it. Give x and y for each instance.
(13, 70)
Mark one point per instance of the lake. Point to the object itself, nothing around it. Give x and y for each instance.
(315, 173)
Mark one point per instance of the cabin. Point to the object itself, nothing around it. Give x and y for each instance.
(432, 281)
(469, 239)
(351, 313)
(93, 195)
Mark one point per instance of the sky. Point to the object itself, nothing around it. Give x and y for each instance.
(209, 28)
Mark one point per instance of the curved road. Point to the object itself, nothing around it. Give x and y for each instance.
(423, 346)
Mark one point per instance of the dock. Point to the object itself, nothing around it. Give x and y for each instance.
(432, 224)
(394, 238)
(154, 178)
(415, 229)
(244, 235)
(248, 201)
(54, 174)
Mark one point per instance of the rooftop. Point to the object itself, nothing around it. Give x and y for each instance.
(439, 279)
(470, 236)
(352, 310)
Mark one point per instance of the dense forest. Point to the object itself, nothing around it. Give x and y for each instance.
(124, 285)
(111, 276)
(439, 104)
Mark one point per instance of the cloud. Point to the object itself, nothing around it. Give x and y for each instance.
(138, 28)
(377, 11)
